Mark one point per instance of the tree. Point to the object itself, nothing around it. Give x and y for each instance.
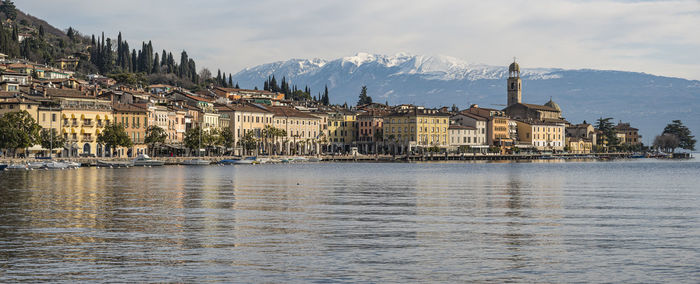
(114, 136)
(324, 99)
(666, 142)
(193, 139)
(606, 128)
(19, 130)
(249, 141)
(9, 9)
(226, 138)
(364, 98)
(686, 139)
(155, 135)
(50, 139)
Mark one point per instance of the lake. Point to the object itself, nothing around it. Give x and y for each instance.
(545, 221)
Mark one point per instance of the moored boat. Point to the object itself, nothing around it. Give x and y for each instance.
(3, 167)
(145, 161)
(17, 167)
(36, 165)
(113, 164)
(56, 165)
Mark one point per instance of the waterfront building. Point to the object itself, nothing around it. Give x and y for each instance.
(463, 137)
(415, 128)
(135, 122)
(480, 123)
(302, 131)
(370, 124)
(627, 134)
(577, 145)
(245, 118)
(83, 118)
(342, 129)
(497, 126)
(13, 76)
(583, 130)
(541, 136)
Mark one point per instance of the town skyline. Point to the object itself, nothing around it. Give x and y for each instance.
(649, 36)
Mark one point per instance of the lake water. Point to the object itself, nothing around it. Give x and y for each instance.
(627, 221)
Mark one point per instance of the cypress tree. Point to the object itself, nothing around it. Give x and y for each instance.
(230, 80)
(156, 64)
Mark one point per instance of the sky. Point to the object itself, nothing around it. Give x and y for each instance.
(656, 37)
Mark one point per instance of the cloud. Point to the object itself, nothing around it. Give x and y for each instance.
(657, 37)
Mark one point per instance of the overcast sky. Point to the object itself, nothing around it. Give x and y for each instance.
(657, 37)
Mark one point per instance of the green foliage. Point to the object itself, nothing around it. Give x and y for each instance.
(193, 139)
(249, 141)
(50, 139)
(131, 79)
(19, 130)
(8, 8)
(464, 149)
(364, 98)
(686, 139)
(226, 138)
(609, 136)
(114, 136)
(155, 135)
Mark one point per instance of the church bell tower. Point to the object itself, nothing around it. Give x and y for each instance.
(515, 91)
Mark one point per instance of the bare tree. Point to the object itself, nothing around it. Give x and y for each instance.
(204, 75)
(666, 142)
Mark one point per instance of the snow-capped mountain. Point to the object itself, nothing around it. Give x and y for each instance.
(647, 101)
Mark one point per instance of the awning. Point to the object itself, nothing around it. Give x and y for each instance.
(72, 130)
(64, 131)
(82, 131)
(82, 116)
(65, 116)
(97, 132)
(72, 115)
(97, 117)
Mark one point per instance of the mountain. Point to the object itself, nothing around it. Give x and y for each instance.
(649, 102)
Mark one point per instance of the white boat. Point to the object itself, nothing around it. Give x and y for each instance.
(72, 165)
(195, 162)
(113, 164)
(36, 165)
(17, 167)
(145, 161)
(56, 165)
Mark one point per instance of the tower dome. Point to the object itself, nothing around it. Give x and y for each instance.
(514, 67)
(553, 105)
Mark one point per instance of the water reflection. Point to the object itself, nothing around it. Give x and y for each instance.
(494, 222)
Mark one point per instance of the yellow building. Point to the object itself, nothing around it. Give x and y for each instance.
(135, 122)
(83, 118)
(579, 145)
(409, 129)
(245, 118)
(542, 136)
(342, 130)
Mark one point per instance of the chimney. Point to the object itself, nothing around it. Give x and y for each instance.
(44, 92)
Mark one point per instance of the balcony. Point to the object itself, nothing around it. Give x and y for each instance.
(88, 124)
(74, 124)
(88, 138)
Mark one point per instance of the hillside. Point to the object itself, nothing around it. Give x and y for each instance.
(649, 102)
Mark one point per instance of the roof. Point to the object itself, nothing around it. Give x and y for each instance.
(127, 108)
(624, 126)
(460, 127)
(239, 107)
(289, 112)
(471, 115)
(540, 107)
(67, 93)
